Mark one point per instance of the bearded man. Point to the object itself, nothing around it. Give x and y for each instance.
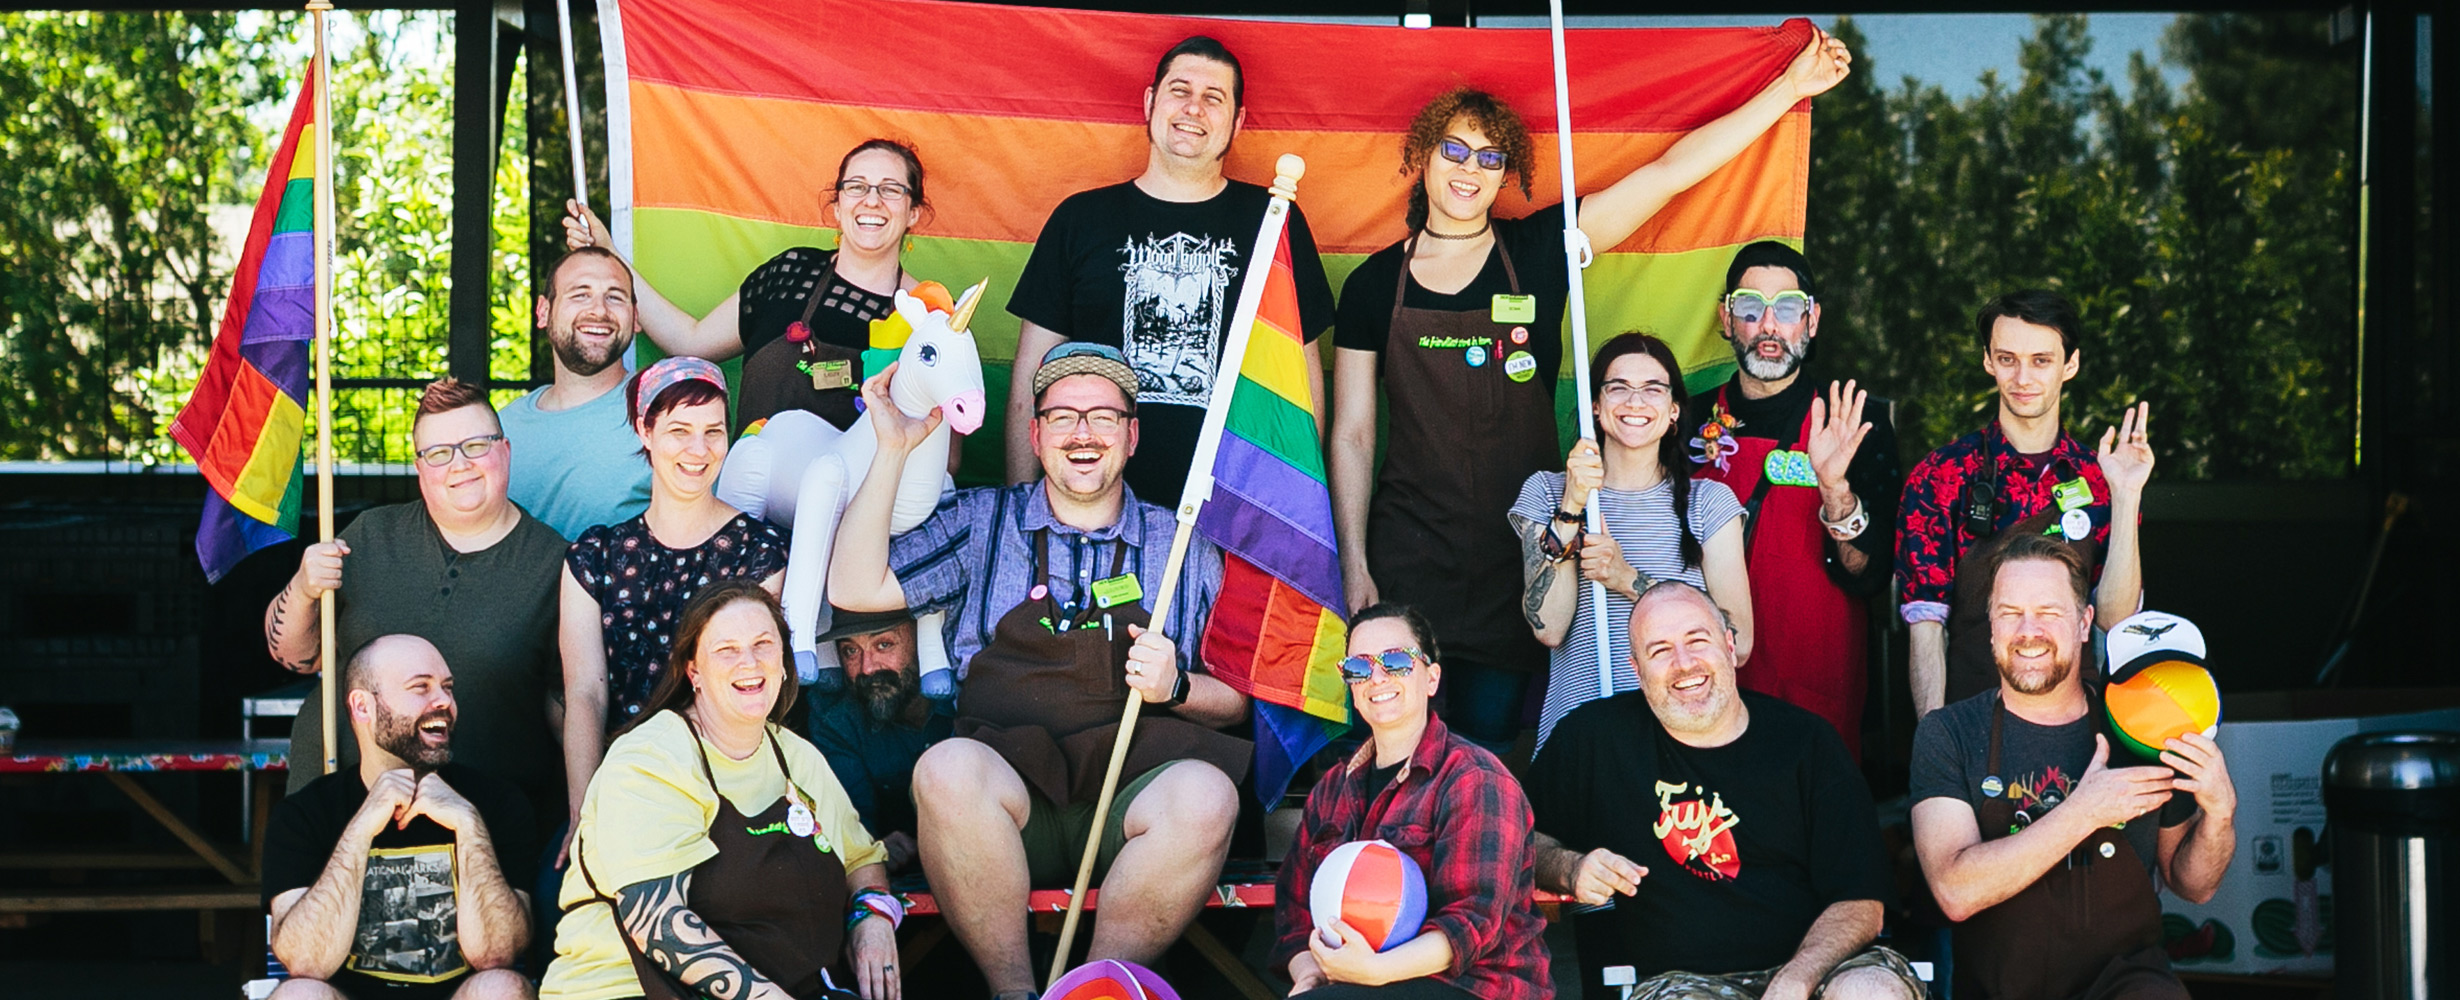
(395, 878)
(874, 730)
(2042, 845)
(579, 464)
(1817, 473)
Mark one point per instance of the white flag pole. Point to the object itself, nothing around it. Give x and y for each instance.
(572, 104)
(1577, 251)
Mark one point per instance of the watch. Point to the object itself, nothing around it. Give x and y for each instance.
(1852, 526)
(1179, 690)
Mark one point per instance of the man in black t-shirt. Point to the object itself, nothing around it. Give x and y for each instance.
(2034, 832)
(396, 879)
(1152, 267)
(1773, 882)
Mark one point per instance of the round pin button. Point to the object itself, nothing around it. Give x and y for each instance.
(799, 820)
(1520, 335)
(2109, 850)
(1521, 366)
(2076, 524)
(1476, 356)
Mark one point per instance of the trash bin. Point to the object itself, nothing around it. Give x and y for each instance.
(2394, 804)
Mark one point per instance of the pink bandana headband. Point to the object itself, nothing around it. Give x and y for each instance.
(669, 372)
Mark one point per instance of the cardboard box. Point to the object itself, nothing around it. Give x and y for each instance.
(2273, 913)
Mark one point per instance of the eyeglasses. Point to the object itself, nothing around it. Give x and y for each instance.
(889, 191)
(1747, 306)
(1101, 420)
(474, 449)
(1617, 392)
(1396, 662)
(1457, 151)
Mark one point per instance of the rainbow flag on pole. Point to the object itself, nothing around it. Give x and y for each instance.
(245, 421)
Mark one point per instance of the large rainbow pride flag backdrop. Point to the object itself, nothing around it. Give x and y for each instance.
(244, 422)
(1273, 633)
(728, 118)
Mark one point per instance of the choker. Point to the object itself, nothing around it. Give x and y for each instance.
(1481, 231)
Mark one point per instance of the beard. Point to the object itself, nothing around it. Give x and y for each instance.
(2040, 682)
(1747, 354)
(399, 736)
(581, 360)
(886, 693)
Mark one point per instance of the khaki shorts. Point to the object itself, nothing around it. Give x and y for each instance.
(1749, 985)
(1055, 834)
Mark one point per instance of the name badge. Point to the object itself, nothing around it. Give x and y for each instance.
(1514, 309)
(830, 374)
(1117, 590)
(2073, 493)
(1789, 468)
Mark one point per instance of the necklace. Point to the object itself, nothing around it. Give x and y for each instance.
(1480, 231)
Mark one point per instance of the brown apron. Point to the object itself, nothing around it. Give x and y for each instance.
(777, 899)
(1971, 668)
(1047, 692)
(1460, 440)
(811, 374)
(2087, 929)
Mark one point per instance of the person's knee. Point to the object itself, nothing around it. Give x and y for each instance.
(1189, 803)
(1866, 983)
(495, 984)
(959, 778)
(296, 988)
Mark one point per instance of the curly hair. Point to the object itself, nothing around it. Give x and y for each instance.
(1487, 114)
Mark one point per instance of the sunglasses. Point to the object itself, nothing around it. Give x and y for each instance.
(1457, 151)
(1747, 306)
(474, 449)
(1397, 662)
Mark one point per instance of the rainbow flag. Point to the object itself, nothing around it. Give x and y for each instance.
(244, 422)
(1273, 634)
(728, 118)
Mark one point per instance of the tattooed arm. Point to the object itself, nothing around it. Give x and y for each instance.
(656, 915)
(292, 625)
(1549, 594)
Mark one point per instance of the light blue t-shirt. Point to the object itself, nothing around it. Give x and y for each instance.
(579, 468)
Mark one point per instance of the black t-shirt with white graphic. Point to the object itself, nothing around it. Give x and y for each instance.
(1746, 844)
(1158, 280)
(408, 933)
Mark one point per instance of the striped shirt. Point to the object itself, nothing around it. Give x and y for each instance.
(1643, 524)
(975, 557)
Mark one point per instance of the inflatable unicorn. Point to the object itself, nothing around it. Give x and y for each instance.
(797, 471)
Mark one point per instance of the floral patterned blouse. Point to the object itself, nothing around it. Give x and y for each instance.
(641, 586)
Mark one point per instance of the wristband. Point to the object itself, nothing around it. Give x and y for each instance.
(875, 903)
(1852, 526)
(1568, 517)
(1179, 690)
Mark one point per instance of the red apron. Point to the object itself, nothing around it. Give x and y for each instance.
(1811, 647)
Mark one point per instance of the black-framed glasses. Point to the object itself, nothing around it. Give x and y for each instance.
(889, 191)
(473, 449)
(1101, 420)
(1457, 151)
(1747, 306)
(1397, 662)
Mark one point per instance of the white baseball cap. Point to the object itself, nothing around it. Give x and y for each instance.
(2150, 637)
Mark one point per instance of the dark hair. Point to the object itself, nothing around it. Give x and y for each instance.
(913, 167)
(2044, 548)
(1770, 253)
(445, 395)
(1205, 47)
(1671, 462)
(689, 392)
(1419, 631)
(1488, 114)
(2038, 306)
(556, 273)
(674, 690)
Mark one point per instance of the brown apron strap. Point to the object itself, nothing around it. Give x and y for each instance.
(828, 274)
(1400, 286)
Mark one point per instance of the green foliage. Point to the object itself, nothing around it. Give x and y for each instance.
(2206, 237)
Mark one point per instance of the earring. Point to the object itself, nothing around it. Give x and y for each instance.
(909, 243)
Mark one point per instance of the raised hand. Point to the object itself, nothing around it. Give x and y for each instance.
(1822, 64)
(1584, 470)
(2126, 453)
(1837, 429)
(2202, 772)
(897, 432)
(2109, 795)
(583, 228)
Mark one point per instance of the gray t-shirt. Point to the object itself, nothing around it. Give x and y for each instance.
(2038, 766)
(492, 614)
(576, 468)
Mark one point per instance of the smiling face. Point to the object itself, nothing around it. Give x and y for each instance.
(464, 487)
(1767, 349)
(2031, 365)
(2037, 625)
(687, 445)
(1635, 406)
(1685, 657)
(1192, 114)
(1462, 192)
(588, 317)
(401, 700)
(739, 666)
(1383, 701)
(1083, 465)
(873, 222)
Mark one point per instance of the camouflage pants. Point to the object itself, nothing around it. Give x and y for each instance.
(1749, 985)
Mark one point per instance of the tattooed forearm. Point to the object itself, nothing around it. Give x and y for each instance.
(1537, 575)
(291, 633)
(655, 916)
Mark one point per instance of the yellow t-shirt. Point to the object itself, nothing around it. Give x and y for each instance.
(647, 816)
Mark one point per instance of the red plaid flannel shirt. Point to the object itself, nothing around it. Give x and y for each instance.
(1463, 818)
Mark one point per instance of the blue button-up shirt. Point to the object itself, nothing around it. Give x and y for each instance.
(974, 557)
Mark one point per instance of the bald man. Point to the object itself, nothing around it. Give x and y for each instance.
(1750, 857)
(396, 878)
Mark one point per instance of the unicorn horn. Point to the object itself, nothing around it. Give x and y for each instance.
(966, 304)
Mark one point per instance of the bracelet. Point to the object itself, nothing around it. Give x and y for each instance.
(1557, 550)
(1852, 526)
(875, 903)
(1568, 517)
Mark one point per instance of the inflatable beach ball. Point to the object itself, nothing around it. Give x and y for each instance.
(1110, 979)
(2159, 687)
(1373, 887)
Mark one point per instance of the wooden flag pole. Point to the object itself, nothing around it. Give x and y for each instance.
(572, 104)
(324, 366)
(1578, 253)
(1288, 169)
